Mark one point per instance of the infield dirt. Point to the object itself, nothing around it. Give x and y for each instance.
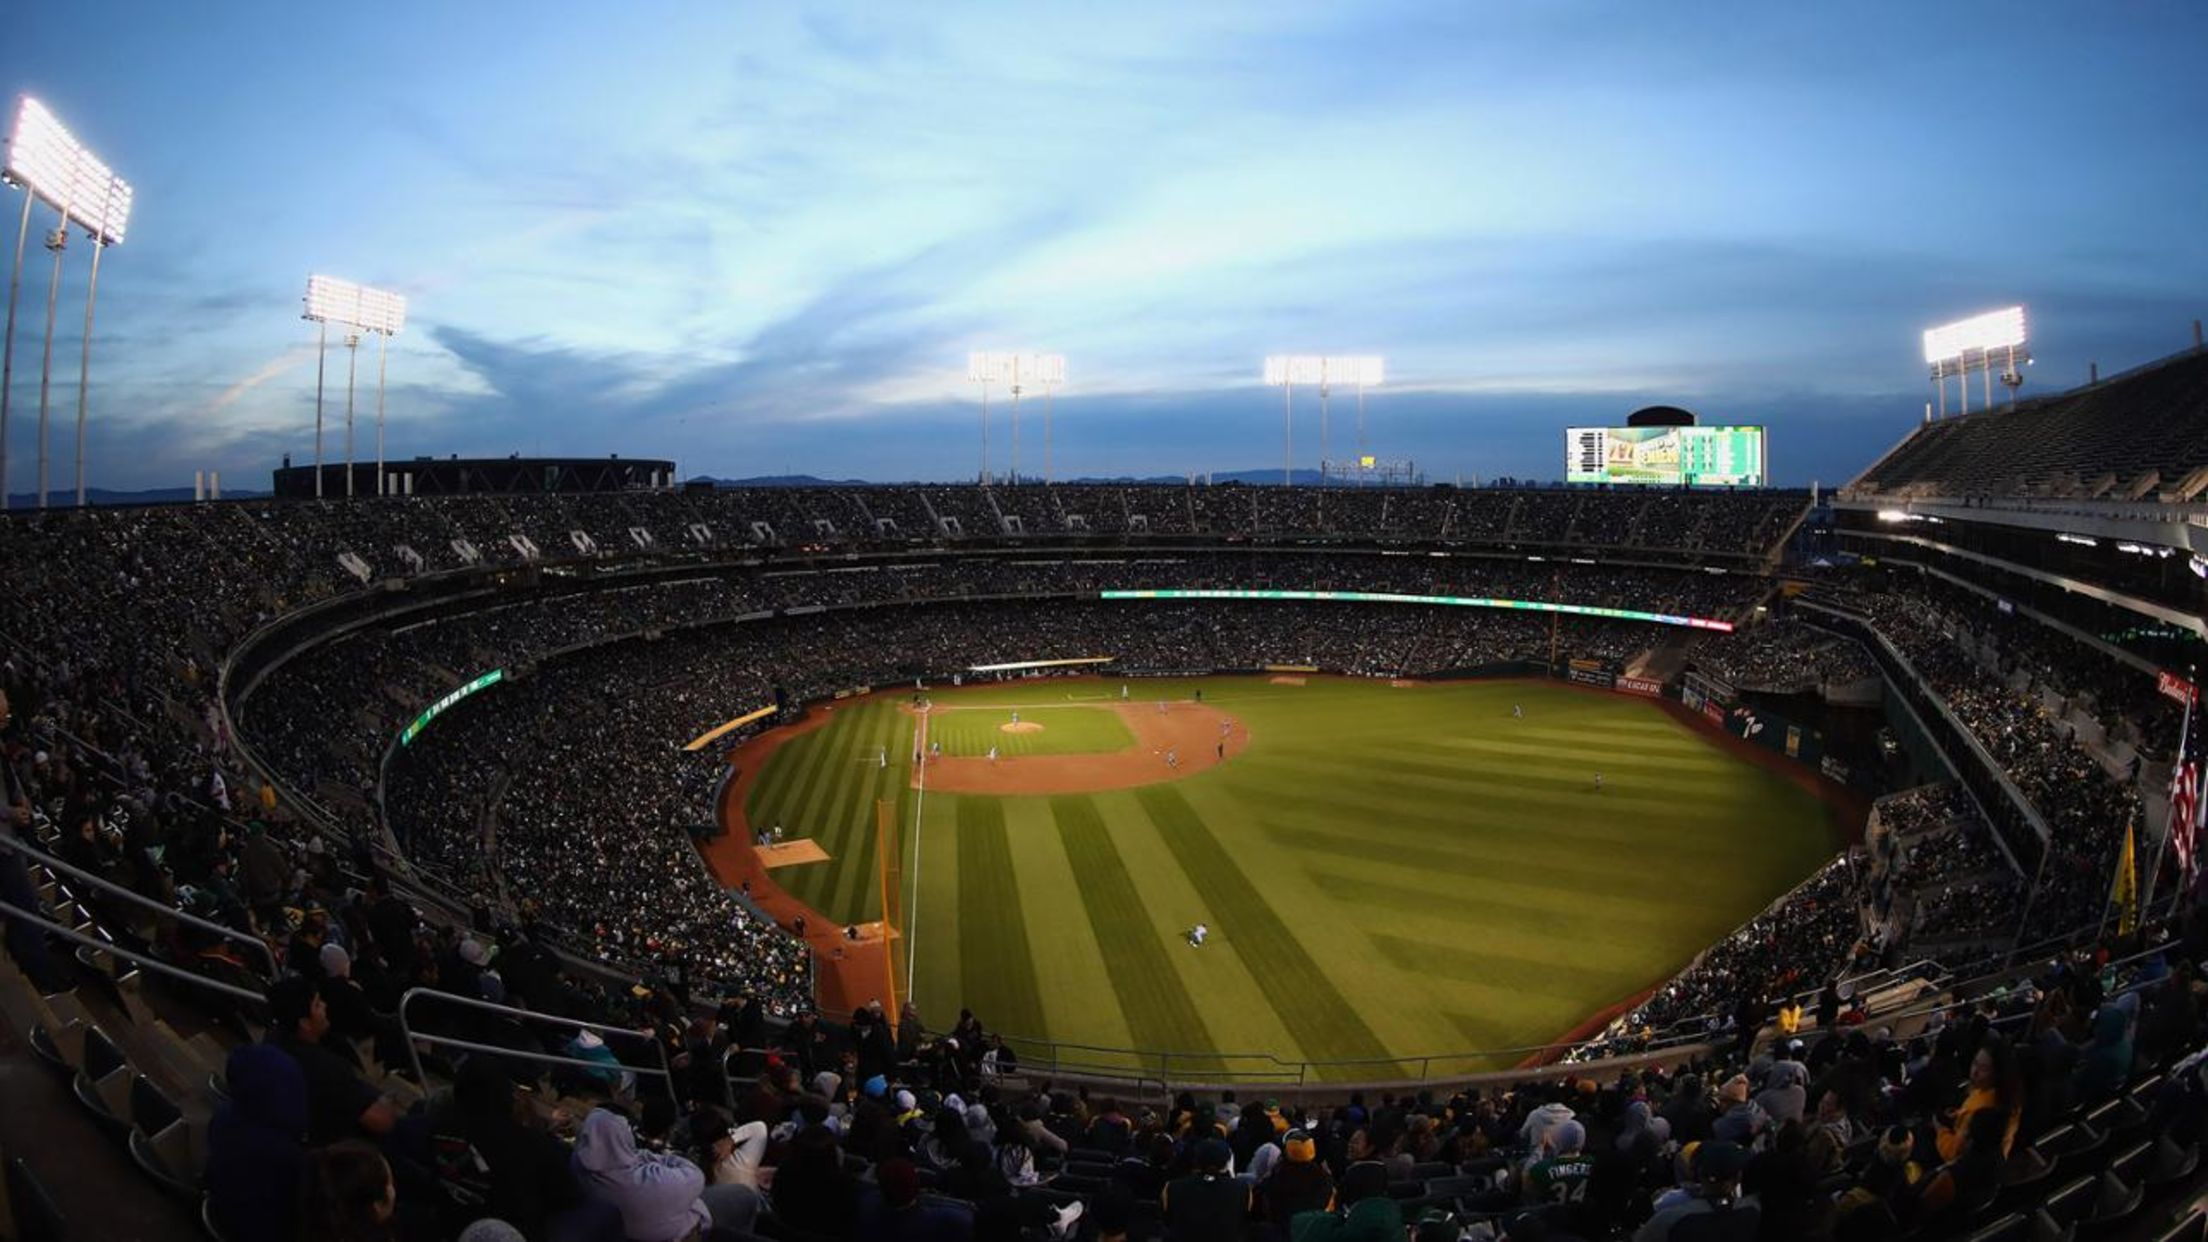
(1191, 732)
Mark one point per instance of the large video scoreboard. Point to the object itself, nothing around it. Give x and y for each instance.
(1667, 456)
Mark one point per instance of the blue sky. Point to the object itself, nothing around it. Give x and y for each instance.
(762, 238)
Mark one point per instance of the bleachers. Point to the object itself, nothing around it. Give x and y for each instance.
(2150, 423)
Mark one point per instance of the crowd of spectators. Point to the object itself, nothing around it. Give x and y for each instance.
(1946, 635)
(572, 776)
(1818, 1124)
(1783, 655)
(1811, 936)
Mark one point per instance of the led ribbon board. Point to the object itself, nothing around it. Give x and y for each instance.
(1458, 601)
(445, 704)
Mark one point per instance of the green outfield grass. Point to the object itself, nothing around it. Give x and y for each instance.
(1387, 873)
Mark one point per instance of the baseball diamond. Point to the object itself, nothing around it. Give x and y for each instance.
(1387, 871)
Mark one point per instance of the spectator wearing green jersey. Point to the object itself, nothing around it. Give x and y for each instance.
(1562, 1174)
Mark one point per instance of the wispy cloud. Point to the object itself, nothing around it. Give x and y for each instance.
(772, 231)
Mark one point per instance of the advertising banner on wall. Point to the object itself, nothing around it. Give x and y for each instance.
(1641, 685)
(1596, 676)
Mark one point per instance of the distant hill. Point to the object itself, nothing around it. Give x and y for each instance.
(1301, 478)
(63, 498)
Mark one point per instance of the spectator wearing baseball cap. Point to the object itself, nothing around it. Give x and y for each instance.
(1298, 1183)
(1717, 1169)
(1208, 1203)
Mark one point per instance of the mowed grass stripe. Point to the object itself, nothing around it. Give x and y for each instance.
(788, 780)
(1623, 810)
(1586, 757)
(1399, 765)
(1613, 813)
(1160, 1012)
(1546, 861)
(856, 859)
(1489, 898)
(829, 819)
(1324, 1025)
(1562, 974)
(996, 966)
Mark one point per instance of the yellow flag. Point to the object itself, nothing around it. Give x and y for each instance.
(2126, 894)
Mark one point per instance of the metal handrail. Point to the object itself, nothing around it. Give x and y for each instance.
(135, 958)
(665, 1070)
(2006, 972)
(11, 842)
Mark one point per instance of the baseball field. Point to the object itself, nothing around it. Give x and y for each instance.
(1387, 871)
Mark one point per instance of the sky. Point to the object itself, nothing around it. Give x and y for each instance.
(763, 238)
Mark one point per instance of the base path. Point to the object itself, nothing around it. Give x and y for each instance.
(1198, 737)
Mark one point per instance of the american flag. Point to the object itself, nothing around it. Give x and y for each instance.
(2186, 807)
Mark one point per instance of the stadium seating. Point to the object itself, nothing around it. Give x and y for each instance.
(124, 710)
(2146, 430)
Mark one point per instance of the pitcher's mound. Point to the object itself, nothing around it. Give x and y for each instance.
(1020, 726)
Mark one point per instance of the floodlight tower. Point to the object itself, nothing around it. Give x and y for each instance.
(357, 309)
(985, 368)
(1358, 369)
(352, 369)
(1971, 344)
(51, 165)
(1286, 371)
(1368, 369)
(1049, 370)
(1015, 377)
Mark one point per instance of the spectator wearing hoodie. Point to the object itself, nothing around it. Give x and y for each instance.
(483, 1146)
(588, 1046)
(1741, 1121)
(1540, 1121)
(1786, 1096)
(659, 1196)
(1688, 1111)
(2105, 1065)
(256, 1147)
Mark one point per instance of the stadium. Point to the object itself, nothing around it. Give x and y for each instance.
(580, 847)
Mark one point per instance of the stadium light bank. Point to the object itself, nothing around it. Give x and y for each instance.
(1285, 371)
(1018, 372)
(1972, 344)
(357, 309)
(51, 165)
